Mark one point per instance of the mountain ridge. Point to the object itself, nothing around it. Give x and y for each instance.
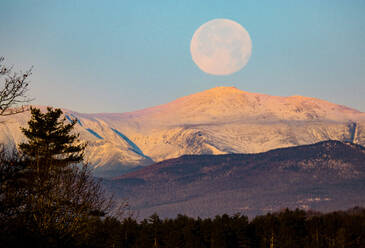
(328, 145)
(325, 176)
(224, 97)
(220, 120)
(227, 120)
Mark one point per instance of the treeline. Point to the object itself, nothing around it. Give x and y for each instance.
(286, 229)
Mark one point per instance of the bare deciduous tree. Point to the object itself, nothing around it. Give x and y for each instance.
(13, 89)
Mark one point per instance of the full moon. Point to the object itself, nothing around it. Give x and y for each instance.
(221, 47)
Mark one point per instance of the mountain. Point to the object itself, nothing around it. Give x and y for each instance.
(228, 120)
(109, 151)
(221, 120)
(325, 176)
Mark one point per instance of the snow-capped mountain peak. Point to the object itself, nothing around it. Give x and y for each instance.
(216, 121)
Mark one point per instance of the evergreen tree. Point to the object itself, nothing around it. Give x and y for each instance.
(50, 140)
(56, 195)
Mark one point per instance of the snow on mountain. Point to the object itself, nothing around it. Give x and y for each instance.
(108, 150)
(228, 120)
(217, 121)
(228, 104)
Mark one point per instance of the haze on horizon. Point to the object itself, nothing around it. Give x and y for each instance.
(119, 56)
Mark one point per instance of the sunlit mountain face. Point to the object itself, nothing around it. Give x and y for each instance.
(221, 120)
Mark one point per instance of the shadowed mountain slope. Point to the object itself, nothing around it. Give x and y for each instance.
(325, 176)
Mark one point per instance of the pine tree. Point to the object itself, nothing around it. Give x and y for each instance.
(50, 149)
(59, 194)
(50, 140)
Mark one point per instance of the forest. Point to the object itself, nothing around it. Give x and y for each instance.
(283, 229)
(287, 228)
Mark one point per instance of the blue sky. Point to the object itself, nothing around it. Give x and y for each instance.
(118, 56)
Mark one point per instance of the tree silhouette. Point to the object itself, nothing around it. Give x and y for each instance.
(50, 139)
(55, 194)
(13, 90)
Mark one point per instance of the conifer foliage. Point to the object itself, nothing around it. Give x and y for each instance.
(47, 194)
(50, 139)
(284, 229)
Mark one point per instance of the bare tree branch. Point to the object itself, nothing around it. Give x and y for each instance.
(13, 90)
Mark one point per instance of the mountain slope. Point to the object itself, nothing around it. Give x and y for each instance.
(221, 120)
(108, 151)
(228, 120)
(325, 176)
(229, 104)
